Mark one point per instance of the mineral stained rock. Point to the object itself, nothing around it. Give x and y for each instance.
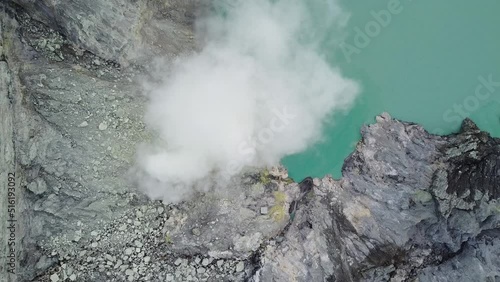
(410, 206)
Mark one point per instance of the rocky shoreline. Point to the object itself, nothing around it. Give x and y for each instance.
(411, 206)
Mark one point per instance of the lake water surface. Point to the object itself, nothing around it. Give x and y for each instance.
(425, 61)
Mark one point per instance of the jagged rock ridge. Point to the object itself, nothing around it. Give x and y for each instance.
(400, 212)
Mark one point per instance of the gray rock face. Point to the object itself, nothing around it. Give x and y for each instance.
(411, 206)
(123, 31)
(69, 178)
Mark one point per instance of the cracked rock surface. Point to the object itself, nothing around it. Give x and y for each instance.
(410, 206)
(124, 31)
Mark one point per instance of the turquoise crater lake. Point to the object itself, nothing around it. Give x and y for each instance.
(429, 62)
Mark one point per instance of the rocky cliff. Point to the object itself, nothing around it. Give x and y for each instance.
(410, 206)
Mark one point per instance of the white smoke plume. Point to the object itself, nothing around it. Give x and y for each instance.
(257, 91)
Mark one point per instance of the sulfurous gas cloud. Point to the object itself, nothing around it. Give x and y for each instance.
(257, 90)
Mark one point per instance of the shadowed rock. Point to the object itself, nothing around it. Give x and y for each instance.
(306, 185)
